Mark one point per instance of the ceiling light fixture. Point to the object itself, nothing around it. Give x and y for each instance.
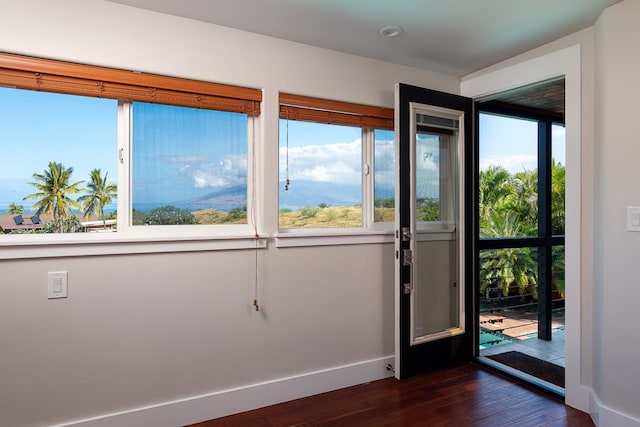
(391, 31)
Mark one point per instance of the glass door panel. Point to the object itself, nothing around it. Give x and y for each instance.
(508, 176)
(437, 300)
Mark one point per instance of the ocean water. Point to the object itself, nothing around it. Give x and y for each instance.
(146, 207)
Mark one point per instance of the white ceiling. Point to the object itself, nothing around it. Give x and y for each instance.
(451, 36)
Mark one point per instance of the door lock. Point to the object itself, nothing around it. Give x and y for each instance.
(407, 257)
(407, 288)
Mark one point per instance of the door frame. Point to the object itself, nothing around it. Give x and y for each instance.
(567, 63)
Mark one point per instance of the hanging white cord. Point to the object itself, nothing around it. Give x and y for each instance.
(287, 182)
(254, 220)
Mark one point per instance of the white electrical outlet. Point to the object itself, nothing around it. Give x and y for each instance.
(633, 218)
(57, 284)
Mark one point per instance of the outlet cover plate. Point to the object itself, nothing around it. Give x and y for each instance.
(57, 284)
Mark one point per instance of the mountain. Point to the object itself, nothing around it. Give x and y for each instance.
(301, 193)
(232, 196)
(311, 193)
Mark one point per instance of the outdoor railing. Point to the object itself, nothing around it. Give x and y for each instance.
(509, 282)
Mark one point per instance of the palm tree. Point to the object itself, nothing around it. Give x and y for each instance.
(100, 193)
(557, 197)
(507, 268)
(496, 186)
(524, 202)
(15, 209)
(53, 192)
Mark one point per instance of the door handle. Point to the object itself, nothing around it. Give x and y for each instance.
(406, 234)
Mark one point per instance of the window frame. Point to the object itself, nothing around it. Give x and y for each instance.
(22, 72)
(125, 181)
(368, 119)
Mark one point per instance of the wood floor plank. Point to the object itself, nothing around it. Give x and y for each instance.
(463, 395)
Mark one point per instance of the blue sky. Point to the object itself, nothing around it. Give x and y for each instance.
(187, 159)
(320, 152)
(39, 127)
(177, 157)
(184, 153)
(512, 143)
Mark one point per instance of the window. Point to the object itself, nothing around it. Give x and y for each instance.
(189, 166)
(384, 176)
(133, 150)
(336, 165)
(322, 165)
(56, 142)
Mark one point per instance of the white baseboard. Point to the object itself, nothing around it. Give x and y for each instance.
(578, 397)
(603, 416)
(226, 402)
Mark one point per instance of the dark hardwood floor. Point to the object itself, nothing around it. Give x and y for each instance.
(465, 395)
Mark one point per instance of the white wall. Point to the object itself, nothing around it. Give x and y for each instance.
(140, 330)
(617, 272)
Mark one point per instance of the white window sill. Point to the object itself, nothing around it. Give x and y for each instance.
(93, 244)
(333, 237)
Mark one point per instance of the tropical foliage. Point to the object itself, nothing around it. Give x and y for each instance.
(508, 207)
(54, 197)
(166, 215)
(15, 209)
(99, 194)
(54, 190)
(70, 224)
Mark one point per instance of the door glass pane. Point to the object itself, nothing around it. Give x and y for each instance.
(428, 177)
(384, 176)
(436, 300)
(558, 146)
(508, 178)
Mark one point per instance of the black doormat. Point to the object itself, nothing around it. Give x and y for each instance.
(542, 369)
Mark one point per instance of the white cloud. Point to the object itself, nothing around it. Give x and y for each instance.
(335, 163)
(202, 179)
(385, 155)
(187, 158)
(513, 163)
(228, 170)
